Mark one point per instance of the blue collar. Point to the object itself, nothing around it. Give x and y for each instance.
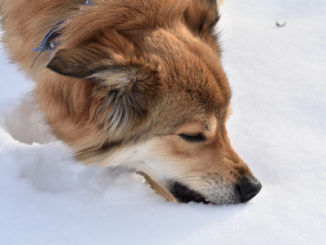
(49, 42)
(89, 3)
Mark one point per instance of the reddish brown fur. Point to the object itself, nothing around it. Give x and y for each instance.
(165, 49)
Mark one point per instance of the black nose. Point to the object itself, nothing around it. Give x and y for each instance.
(248, 188)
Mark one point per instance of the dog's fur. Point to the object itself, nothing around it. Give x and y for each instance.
(137, 84)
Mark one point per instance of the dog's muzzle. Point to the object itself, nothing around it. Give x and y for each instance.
(244, 191)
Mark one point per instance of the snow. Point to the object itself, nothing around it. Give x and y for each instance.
(278, 126)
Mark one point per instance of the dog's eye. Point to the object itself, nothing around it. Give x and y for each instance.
(193, 137)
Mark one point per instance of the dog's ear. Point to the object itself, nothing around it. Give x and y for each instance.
(87, 63)
(202, 15)
(79, 62)
(125, 91)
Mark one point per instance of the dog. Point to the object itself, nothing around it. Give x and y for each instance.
(134, 84)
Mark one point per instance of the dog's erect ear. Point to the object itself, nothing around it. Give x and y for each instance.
(125, 91)
(202, 16)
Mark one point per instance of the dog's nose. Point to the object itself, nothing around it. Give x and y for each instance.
(248, 188)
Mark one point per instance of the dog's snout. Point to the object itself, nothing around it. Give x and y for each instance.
(248, 188)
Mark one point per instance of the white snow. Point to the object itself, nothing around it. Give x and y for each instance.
(278, 126)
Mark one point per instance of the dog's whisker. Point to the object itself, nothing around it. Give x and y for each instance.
(131, 165)
(189, 178)
(185, 174)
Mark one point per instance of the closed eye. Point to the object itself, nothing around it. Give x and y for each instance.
(193, 137)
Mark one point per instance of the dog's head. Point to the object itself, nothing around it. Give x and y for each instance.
(157, 97)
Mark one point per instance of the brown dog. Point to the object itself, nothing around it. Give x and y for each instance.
(137, 84)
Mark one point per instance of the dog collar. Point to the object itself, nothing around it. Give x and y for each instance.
(49, 42)
(88, 2)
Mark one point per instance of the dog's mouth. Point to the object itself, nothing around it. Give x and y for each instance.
(184, 194)
(176, 191)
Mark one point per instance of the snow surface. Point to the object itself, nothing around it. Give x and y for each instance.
(278, 126)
